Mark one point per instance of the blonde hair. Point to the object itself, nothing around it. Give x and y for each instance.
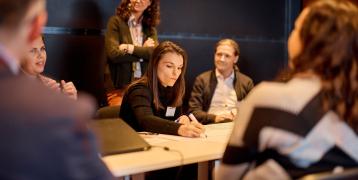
(231, 43)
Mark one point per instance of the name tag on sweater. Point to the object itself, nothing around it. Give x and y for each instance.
(170, 112)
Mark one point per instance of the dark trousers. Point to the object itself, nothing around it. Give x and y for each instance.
(186, 172)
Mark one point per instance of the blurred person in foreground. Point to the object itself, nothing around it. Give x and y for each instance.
(43, 133)
(310, 123)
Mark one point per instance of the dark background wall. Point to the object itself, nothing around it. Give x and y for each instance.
(75, 42)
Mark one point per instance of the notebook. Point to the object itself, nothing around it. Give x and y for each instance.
(116, 137)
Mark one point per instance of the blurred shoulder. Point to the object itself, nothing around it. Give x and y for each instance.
(290, 96)
(31, 98)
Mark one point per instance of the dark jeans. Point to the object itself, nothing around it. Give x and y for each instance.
(186, 172)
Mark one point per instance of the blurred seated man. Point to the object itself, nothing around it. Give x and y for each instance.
(217, 93)
(35, 63)
(43, 134)
(308, 124)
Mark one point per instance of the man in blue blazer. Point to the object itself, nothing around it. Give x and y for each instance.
(42, 133)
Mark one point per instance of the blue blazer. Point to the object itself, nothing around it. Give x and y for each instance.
(43, 134)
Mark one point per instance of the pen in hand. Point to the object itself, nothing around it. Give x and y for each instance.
(194, 120)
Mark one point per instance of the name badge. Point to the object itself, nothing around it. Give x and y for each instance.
(170, 112)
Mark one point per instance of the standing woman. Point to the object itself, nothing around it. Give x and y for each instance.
(310, 123)
(130, 39)
(153, 103)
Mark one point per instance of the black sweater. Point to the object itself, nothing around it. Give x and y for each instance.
(139, 112)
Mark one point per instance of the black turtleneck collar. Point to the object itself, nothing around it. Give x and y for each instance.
(165, 94)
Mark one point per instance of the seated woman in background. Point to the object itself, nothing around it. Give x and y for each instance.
(153, 102)
(35, 64)
(310, 123)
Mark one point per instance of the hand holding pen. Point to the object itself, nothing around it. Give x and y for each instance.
(192, 129)
(193, 118)
(197, 123)
(183, 120)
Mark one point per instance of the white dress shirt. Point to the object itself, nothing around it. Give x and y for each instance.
(137, 38)
(9, 60)
(224, 100)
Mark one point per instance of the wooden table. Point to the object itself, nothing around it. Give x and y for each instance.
(170, 151)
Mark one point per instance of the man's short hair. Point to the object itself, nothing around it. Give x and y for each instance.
(231, 43)
(13, 11)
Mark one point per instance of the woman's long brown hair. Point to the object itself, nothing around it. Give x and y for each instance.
(150, 78)
(329, 38)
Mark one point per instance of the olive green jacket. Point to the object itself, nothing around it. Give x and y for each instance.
(120, 63)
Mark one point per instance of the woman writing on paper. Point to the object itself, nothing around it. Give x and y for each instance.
(153, 102)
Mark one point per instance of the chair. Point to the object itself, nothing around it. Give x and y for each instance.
(347, 174)
(108, 112)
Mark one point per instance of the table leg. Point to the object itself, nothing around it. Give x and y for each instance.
(140, 176)
(203, 170)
